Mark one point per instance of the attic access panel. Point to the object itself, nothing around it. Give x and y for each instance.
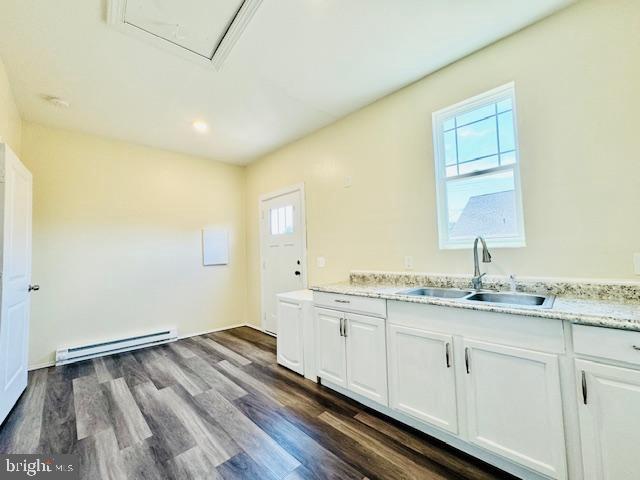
(203, 30)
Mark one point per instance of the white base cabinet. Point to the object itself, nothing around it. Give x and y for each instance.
(609, 411)
(296, 333)
(290, 336)
(422, 382)
(500, 387)
(331, 349)
(352, 352)
(513, 405)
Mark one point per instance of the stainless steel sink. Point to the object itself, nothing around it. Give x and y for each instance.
(519, 299)
(436, 292)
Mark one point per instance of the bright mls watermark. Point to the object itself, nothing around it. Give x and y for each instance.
(50, 467)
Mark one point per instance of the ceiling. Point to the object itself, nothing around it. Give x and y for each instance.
(298, 65)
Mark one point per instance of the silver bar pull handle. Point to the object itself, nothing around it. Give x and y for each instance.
(342, 301)
(584, 387)
(447, 354)
(341, 326)
(345, 328)
(466, 359)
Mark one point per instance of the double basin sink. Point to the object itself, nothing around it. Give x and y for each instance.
(499, 298)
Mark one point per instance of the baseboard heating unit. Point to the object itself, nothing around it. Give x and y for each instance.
(99, 349)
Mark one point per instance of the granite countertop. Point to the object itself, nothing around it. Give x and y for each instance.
(621, 312)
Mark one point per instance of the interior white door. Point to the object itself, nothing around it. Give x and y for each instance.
(609, 413)
(15, 191)
(282, 252)
(290, 339)
(330, 346)
(366, 357)
(422, 382)
(514, 405)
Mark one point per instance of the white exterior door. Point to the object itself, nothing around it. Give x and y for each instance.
(15, 191)
(422, 382)
(366, 356)
(290, 338)
(609, 411)
(330, 347)
(283, 251)
(514, 405)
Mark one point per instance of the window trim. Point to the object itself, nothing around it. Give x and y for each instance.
(502, 92)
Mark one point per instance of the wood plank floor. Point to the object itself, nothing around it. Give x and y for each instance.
(217, 406)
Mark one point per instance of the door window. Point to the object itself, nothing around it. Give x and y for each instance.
(281, 220)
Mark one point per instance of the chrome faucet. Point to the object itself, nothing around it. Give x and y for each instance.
(476, 281)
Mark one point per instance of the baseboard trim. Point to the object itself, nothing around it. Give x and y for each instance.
(38, 366)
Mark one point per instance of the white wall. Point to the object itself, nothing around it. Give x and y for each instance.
(117, 240)
(577, 75)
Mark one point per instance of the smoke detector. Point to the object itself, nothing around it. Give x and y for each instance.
(201, 30)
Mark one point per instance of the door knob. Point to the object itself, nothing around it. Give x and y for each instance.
(35, 288)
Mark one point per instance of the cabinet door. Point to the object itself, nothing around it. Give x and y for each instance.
(514, 405)
(289, 340)
(609, 411)
(422, 381)
(366, 357)
(331, 354)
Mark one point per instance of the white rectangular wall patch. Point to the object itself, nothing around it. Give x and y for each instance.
(215, 246)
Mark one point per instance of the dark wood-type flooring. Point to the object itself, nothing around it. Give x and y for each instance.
(217, 406)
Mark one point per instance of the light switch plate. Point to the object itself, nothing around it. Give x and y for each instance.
(321, 262)
(408, 262)
(636, 263)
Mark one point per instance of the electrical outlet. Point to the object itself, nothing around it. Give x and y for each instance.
(408, 262)
(321, 262)
(636, 263)
(348, 181)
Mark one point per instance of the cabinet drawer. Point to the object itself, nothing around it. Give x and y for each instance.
(351, 303)
(620, 345)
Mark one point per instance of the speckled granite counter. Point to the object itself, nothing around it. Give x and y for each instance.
(611, 305)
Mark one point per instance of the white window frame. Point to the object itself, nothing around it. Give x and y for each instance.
(503, 92)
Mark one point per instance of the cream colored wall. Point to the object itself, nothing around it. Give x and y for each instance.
(117, 240)
(577, 75)
(10, 121)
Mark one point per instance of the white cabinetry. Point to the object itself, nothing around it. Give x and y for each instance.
(608, 402)
(351, 347)
(609, 421)
(331, 350)
(290, 340)
(366, 356)
(296, 332)
(422, 381)
(514, 406)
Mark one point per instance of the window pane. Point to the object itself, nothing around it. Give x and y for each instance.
(450, 147)
(281, 220)
(482, 164)
(274, 221)
(508, 158)
(449, 124)
(483, 205)
(288, 213)
(477, 140)
(505, 129)
(477, 114)
(504, 105)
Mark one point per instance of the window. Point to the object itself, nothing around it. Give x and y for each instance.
(281, 220)
(477, 171)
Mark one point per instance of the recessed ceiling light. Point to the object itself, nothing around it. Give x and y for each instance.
(200, 126)
(56, 101)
